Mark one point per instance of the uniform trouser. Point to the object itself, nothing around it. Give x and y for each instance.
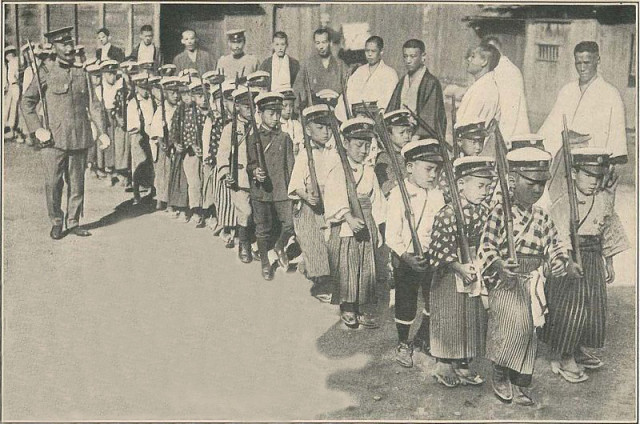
(192, 169)
(408, 285)
(274, 222)
(242, 204)
(59, 165)
(10, 106)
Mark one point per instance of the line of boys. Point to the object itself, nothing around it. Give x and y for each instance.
(279, 199)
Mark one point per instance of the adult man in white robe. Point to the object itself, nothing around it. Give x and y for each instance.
(594, 109)
(513, 103)
(481, 102)
(372, 82)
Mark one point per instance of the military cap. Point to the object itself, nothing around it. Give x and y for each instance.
(170, 83)
(576, 138)
(141, 79)
(320, 114)
(359, 127)
(47, 49)
(399, 118)
(61, 35)
(530, 162)
(79, 49)
(327, 96)
(519, 141)
(365, 108)
(189, 72)
(168, 70)
(259, 79)
(213, 77)
(93, 68)
(227, 89)
(154, 80)
(287, 93)
(197, 86)
(109, 66)
(183, 83)
(92, 61)
(24, 48)
(129, 66)
(10, 48)
(147, 64)
(592, 160)
(477, 166)
(235, 35)
(475, 131)
(241, 95)
(425, 149)
(269, 100)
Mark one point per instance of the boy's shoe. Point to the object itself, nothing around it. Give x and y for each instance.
(404, 355)
(522, 398)
(422, 346)
(368, 321)
(323, 297)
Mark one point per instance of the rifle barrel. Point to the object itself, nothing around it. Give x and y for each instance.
(574, 215)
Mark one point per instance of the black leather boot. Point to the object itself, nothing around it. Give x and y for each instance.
(244, 247)
(267, 269)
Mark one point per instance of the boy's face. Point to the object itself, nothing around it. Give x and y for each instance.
(357, 149)
(526, 191)
(413, 59)
(587, 184)
(424, 174)
(372, 53)
(287, 109)
(186, 97)
(199, 98)
(237, 47)
(103, 38)
(110, 77)
(96, 79)
(244, 110)
(189, 40)
(279, 46)
(271, 117)
(321, 42)
(400, 135)
(474, 189)
(319, 133)
(172, 96)
(143, 92)
(471, 147)
(146, 37)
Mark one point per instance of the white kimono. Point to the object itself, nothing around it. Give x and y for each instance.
(481, 102)
(513, 103)
(598, 111)
(323, 159)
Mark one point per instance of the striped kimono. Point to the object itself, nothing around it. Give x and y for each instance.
(458, 320)
(211, 132)
(577, 309)
(511, 336)
(351, 259)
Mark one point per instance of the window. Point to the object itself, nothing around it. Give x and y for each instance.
(548, 52)
(632, 63)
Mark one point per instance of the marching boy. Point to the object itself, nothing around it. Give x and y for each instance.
(272, 208)
(412, 273)
(513, 311)
(401, 128)
(577, 308)
(308, 216)
(352, 257)
(458, 318)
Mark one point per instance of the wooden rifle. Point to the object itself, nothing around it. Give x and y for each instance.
(431, 132)
(262, 162)
(223, 112)
(307, 88)
(574, 214)
(315, 187)
(36, 74)
(463, 241)
(347, 109)
(456, 148)
(383, 133)
(503, 170)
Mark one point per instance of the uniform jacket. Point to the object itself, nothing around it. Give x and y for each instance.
(278, 154)
(66, 92)
(115, 53)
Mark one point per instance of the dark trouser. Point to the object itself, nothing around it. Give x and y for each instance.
(408, 284)
(274, 222)
(321, 285)
(58, 166)
(504, 373)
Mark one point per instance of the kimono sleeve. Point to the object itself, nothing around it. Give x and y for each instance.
(336, 201)
(443, 248)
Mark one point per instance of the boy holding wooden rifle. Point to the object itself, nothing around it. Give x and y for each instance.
(577, 308)
(269, 165)
(307, 187)
(354, 212)
(515, 285)
(458, 318)
(401, 128)
(411, 268)
(158, 134)
(111, 87)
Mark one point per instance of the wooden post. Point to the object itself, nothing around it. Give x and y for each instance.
(75, 23)
(17, 27)
(131, 29)
(101, 18)
(157, 7)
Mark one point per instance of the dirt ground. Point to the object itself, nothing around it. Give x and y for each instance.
(151, 319)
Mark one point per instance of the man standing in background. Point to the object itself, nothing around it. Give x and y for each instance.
(193, 57)
(238, 61)
(107, 50)
(146, 50)
(282, 67)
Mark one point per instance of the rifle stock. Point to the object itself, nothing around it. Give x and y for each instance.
(315, 187)
(456, 149)
(262, 163)
(574, 216)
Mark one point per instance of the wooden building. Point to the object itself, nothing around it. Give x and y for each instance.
(539, 39)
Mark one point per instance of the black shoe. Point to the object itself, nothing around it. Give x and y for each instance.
(404, 354)
(244, 253)
(267, 272)
(501, 386)
(56, 232)
(80, 232)
(422, 346)
(229, 244)
(521, 398)
(201, 222)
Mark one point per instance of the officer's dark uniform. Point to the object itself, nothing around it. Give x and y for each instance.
(66, 94)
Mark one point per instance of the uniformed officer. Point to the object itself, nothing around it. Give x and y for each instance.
(238, 62)
(68, 137)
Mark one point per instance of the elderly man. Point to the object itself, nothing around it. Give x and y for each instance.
(513, 103)
(372, 82)
(193, 57)
(420, 90)
(64, 155)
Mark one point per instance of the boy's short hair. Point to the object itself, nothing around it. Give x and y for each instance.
(146, 28)
(414, 44)
(105, 31)
(188, 30)
(375, 39)
(321, 31)
(587, 46)
(282, 35)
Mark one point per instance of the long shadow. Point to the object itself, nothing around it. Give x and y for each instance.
(125, 210)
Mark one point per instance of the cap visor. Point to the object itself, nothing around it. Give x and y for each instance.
(536, 175)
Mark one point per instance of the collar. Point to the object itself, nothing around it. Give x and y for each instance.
(106, 47)
(355, 167)
(488, 75)
(276, 57)
(418, 74)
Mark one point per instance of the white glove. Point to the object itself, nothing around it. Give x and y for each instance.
(104, 141)
(392, 298)
(43, 136)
